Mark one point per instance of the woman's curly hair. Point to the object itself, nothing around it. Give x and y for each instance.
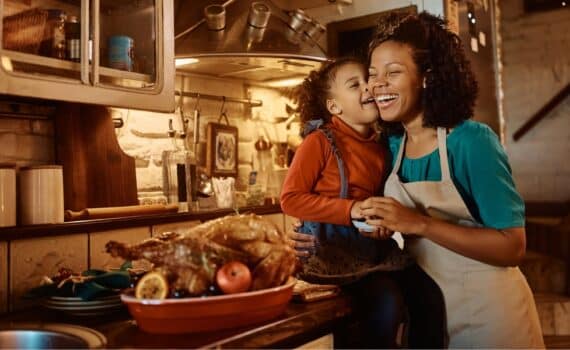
(311, 96)
(450, 86)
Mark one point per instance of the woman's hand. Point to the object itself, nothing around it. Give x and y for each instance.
(386, 212)
(302, 243)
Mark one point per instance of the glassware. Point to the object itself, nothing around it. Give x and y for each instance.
(224, 188)
(73, 38)
(179, 172)
(53, 42)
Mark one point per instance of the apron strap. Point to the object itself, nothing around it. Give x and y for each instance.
(442, 146)
(400, 155)
(343, 180)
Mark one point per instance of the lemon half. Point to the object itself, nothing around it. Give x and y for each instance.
(152, 285)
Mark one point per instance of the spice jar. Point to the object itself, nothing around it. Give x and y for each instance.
(73, 38)
(121, 52)
(53, 41)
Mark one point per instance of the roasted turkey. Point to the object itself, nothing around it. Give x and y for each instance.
(190, 260)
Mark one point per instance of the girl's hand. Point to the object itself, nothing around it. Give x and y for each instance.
(302, 243)
(356, 210)
(389, 213)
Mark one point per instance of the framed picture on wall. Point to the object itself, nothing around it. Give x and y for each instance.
(222, 150)
(351, 37)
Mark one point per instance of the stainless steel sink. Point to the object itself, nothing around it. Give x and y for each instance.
(50, 336)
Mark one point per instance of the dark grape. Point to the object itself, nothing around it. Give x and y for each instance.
(179, 293)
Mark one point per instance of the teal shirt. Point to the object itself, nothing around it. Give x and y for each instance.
(479, 169)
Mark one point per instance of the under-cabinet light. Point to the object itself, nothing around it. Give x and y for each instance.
(185, 61)
(284, 82)
(7, 64)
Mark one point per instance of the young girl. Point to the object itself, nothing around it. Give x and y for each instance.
(340, 163)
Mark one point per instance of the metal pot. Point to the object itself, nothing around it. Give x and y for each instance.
(259, 14)
(298, 20)
(215, 17)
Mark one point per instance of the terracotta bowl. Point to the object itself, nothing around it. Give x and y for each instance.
(191, 315)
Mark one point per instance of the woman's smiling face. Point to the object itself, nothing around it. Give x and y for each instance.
(395, 82)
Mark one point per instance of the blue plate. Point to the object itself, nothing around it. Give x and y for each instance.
(361, 225)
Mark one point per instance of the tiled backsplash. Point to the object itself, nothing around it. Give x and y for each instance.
(99, 258)
(31, 259)
(26, 141)
(144, 135)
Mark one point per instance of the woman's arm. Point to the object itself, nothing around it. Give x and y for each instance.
(495, 247)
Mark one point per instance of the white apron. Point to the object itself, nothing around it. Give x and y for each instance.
(487, 306)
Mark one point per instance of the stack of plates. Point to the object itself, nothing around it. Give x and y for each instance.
(78, 307)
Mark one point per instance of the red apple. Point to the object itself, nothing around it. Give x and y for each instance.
(233, 277)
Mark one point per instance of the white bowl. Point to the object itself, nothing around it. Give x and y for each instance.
(361, 225)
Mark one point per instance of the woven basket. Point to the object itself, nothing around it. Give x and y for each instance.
(24, 31)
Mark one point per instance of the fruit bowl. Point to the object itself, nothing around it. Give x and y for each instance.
(204, 314)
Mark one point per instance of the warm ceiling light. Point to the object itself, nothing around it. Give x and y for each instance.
(284, 82)
(185, 61)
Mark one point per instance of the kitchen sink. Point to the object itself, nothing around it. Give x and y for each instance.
(50, 336)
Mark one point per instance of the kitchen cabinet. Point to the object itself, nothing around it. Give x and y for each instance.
(107, 52)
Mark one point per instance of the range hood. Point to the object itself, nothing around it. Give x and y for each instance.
(240, 50)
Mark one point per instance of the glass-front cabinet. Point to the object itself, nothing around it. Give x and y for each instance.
(110, 52)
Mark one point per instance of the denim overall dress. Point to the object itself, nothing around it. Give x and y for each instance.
(342, 255)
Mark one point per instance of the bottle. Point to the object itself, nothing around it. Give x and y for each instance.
(178, 167)
(53, 41)
(73, 38)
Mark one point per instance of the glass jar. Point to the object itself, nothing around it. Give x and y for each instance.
(73, 38)
(53, 41)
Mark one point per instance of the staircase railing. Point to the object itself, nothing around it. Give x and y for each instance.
(543, 112)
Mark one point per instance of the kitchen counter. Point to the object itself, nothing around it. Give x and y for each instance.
(301, 323)
(83, 226)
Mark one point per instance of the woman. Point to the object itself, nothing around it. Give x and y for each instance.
(450, 192)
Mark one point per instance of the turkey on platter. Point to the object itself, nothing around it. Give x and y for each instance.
(190, 260)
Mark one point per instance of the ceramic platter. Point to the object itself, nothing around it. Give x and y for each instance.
(189, 315)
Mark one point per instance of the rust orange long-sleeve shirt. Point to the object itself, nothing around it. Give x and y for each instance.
(311, 188)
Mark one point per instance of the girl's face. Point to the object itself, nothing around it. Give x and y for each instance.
(395, 82)
(349, 97)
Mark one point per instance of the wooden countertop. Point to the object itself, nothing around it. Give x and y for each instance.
(299, 324)
(85, 226)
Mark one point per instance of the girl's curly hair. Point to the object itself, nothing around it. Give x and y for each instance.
(311, 96)
(450, 86)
